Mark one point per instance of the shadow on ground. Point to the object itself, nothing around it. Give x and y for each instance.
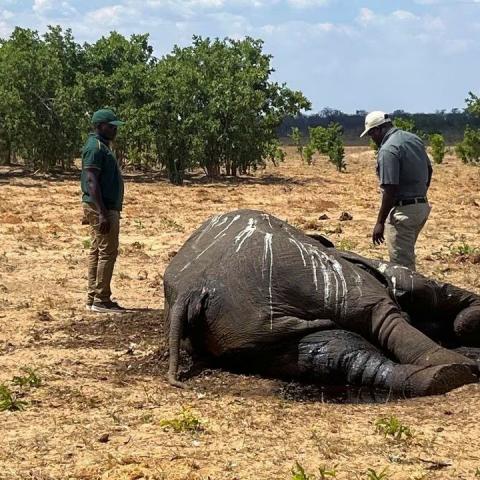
(7, 173)
(141, 351)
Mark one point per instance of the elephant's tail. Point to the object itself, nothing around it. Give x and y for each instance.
(176, 320)
(182, 313)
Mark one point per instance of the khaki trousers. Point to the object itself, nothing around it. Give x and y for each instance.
(402, 228)
(103, 253)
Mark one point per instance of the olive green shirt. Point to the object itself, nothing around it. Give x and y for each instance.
(402, 160)
(97, 154)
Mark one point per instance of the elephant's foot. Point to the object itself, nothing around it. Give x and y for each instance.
(467, 326)
(413, 381)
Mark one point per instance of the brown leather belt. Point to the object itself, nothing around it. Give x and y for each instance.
(411, 201)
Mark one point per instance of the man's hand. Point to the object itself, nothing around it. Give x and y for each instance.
(377, 235)
(103, 224)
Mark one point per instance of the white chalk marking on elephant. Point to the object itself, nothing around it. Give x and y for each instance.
(394, 285)
(314, 270)
(234, 219)
(358, 283)
(267, 217)
(202, 252)
(268, 257)
(186, 266)
(382, 267)
(222, 222)
(211, 224)
(299, 246)
(246, 233)
(337, 267)
(326, 273)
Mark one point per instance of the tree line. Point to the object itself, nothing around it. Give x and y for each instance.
(451, 125)
(210, 105)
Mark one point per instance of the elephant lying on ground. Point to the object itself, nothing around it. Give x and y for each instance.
(258, 294)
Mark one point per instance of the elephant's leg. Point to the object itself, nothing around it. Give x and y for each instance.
(467, 326)
(437, 307)
(341, 357)
(407, 344)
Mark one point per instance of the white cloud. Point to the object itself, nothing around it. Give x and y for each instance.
(40, 6)
(307, 3)
(111, 16)
(235, 24)
(366, 16)
(403, 15)
(5, 14)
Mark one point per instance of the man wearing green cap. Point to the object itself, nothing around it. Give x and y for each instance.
(102, 187)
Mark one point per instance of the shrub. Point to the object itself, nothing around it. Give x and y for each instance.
(186, 421)
(296, 138)
(406, 124)
(329, 141)
(391, 426)
(9, 401)
(437, 143)
(31, 379)
(469, 148)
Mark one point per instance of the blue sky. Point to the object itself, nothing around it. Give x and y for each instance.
(415, 55)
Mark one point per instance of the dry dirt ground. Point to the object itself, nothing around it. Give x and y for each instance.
(101, 408)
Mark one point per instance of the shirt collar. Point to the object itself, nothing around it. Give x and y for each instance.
(102, 139)
(388, 134)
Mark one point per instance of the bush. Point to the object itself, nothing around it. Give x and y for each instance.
(406, 124)
(296, 137)
(437, 143)
(329, 141)
(469, 149)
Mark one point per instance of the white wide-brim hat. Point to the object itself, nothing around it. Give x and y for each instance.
(375, 119)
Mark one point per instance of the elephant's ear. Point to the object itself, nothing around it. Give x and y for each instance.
(320, 238)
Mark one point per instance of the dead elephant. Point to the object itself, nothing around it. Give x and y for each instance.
(258, 294)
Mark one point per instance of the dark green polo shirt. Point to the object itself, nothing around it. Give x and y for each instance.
(402, 160)
(97, 154)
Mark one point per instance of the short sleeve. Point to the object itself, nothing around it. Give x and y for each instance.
(388, 167)
(92, 157)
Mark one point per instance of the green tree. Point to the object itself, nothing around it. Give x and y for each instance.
(296, 138)
(406, 124)
(437, 144)
(118, 73)
(473, 104)
(218, 108)
(328, 141)
(469, 149)
(40, 106)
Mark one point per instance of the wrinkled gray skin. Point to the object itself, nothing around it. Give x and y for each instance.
(257, 294)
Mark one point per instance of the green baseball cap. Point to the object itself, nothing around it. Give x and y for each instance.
(106, 116)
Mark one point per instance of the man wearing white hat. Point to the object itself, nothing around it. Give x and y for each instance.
(404, 171)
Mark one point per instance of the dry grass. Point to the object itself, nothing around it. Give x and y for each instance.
(103, 399)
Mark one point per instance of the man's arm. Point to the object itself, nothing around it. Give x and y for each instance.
(95, 192)
(430, 171)
(388, 202)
